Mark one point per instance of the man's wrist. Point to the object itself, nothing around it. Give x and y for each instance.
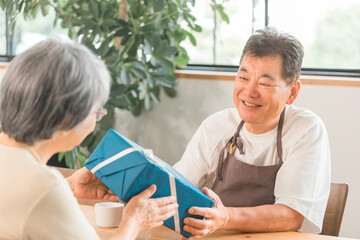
(226, 219)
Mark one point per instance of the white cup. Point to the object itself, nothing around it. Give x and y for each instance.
(108, 214)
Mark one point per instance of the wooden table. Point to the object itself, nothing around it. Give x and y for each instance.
(165, 233)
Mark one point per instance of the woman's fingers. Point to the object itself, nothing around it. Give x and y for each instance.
(147, 193)
(162, 213)
(159, 202)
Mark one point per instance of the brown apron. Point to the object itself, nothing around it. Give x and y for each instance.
(239, 184)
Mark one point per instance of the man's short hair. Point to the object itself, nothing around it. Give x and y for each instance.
(271, 42)
(51, 86)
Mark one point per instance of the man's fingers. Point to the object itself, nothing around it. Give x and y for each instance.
(211, 194)
(147, 193)
(196, 231)
(198, 223)
(205, 212)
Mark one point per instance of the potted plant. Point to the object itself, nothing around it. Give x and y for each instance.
(139, 41)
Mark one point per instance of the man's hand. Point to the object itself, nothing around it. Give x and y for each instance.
(86, 185)
(215, 218)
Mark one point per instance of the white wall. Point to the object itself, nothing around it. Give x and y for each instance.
(170, 125)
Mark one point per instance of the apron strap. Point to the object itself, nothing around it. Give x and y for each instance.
(279, 133)
(236, 142)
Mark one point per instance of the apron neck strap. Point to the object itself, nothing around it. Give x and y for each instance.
(237, 141)
(279, 134)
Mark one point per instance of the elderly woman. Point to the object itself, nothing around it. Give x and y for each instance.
(51, 97)
(266, 161)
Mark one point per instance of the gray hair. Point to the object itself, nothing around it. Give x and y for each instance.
(51, 86)
(270, 42)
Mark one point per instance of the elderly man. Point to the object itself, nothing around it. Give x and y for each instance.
(266, 161)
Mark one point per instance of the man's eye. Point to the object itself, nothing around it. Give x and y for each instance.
(242, 78)
(264, 84)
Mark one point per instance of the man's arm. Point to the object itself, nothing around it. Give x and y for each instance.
(266, 218)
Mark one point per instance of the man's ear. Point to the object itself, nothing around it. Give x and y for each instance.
(294, 90)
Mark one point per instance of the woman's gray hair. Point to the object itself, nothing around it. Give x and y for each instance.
(271, 42)
(51, 86)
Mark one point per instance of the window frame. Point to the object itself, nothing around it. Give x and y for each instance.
(353, 73)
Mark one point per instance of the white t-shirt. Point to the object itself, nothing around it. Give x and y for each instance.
(302, 182)
(36, 201)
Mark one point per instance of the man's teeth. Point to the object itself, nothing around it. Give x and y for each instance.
(250, 104)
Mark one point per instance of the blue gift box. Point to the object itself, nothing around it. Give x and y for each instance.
(127, 169)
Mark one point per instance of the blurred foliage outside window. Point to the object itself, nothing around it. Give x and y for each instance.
(2, 33)
(328, 29)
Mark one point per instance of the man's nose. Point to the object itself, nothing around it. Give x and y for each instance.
(252, 89)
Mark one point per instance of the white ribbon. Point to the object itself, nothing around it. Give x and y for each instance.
(113, 158)
(149, 154)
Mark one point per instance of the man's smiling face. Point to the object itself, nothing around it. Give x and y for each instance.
(260, 92)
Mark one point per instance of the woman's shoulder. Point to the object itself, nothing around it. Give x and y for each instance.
(28, 176)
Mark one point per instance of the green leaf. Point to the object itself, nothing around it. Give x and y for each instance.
(122, 32)
(154, 97)
(102, 8)
(223, 15)
(147, 46)
(164, 63)
(158, 5)
(151, 81)
(105, 47)
(43, 7)
(117, 89)
(171, 92)
(197, 28)
(121, 102)
(181, 60)
(165, 80)
(61, 156)
(147, 103)
(139, 65)
(94, 9)
(125, 77)
(156, 41)
(110, 23)
(192, 39)
(139, 73)
(136, 109)
(88, 140)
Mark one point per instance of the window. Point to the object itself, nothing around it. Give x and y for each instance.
(29, 32)
(328, 29)
(2, 33)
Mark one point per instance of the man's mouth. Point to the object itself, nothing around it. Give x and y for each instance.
(251, 104)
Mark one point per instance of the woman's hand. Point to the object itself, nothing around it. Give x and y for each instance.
(85, 184)
(149, 213)
(215, 218)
